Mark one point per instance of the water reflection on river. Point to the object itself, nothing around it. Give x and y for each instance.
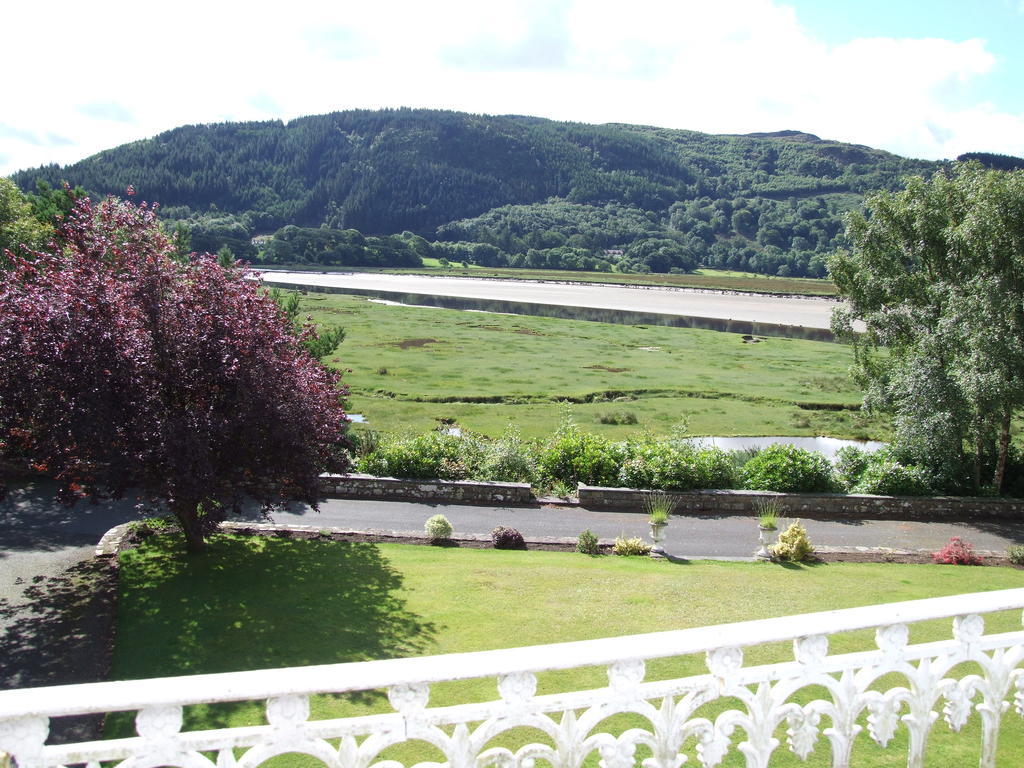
(827, 446)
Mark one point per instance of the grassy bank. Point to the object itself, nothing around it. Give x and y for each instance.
(254, 603)
(411, 367)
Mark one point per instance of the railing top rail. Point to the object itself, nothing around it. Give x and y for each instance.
(368, 675)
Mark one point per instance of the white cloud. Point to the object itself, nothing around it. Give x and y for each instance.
(730, 66)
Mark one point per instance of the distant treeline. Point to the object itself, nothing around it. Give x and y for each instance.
(501, 190)
(994, 161)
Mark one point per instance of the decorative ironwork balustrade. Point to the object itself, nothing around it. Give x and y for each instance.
(812, 701)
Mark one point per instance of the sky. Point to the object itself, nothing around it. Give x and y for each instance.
(921, 78)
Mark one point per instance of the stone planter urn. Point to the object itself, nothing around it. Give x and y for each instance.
(764, 536)
(657, 534)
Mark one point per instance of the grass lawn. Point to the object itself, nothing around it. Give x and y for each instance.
(411, 366)
(256, 603)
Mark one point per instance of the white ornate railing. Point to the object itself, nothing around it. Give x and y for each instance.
(677, 716)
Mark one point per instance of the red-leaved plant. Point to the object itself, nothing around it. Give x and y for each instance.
(121, 367)
(956, 552)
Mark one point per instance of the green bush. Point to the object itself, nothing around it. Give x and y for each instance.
(850, 463)
(1014, 553)
(508, 460)
(630, 547)
(675, 465)
(363, 442)
(426, 456)
(884, 476)
(788, 469)
(574, 456)
(438, 528)
(587, 543)
(617, 417)
(793, 544)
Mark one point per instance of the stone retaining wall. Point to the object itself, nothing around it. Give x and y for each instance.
(815, 505)
(356, 486)
(805, 505)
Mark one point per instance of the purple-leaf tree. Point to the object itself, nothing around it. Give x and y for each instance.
(121, 367)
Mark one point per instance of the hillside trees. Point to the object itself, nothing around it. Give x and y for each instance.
(123, 367)
(936, 274)
(20, 230)
(478, 178)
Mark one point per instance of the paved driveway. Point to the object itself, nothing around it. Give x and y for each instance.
(55, 598)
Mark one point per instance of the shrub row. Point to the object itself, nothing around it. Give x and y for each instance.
(573, 456)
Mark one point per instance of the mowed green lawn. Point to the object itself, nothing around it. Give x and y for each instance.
(409, 367)
(257, 603)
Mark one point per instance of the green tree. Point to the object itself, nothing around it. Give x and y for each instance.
(20, 230)
(225, 257)
(51, 205)
(181, 241)
(936, 277)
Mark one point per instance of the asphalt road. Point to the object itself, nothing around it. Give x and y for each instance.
(56, 600)
(686, 536)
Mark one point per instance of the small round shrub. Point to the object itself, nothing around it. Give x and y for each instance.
(587, 543)
(956, 552)
(631, 547)
(1014, 554)
(507, 538)
(788, 469)
(793, 544)
(438, 528)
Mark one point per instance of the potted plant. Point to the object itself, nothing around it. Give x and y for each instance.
(767, 521)
(658, 507)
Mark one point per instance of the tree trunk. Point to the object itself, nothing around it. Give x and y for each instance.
(979, 446)
(186, 512)
(1004, 448)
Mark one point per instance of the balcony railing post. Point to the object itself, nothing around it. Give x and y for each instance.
(22, 738)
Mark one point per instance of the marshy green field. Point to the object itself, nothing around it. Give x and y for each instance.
(412, 368)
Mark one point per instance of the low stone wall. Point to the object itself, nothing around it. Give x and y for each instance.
(356, 486)
(815, 505)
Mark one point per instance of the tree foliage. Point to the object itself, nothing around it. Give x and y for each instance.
(936, 276)
(21, 232)
(121, 366)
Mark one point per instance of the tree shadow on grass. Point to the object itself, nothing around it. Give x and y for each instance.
(256, 603)
(61, 635)
(800, 565)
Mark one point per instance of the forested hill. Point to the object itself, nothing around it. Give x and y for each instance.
(383, 172)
